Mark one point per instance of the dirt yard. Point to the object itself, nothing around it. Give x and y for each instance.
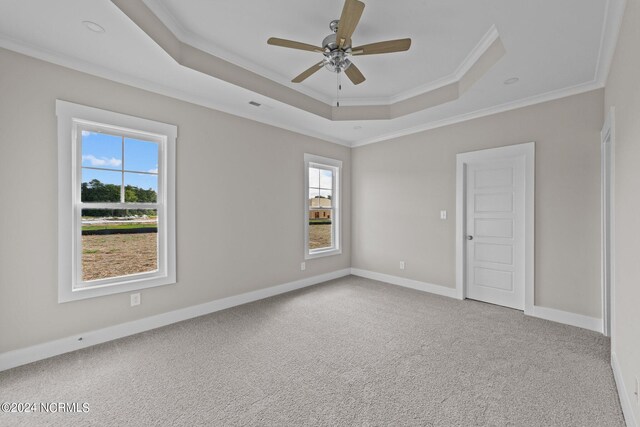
(115, 255)
(118, 255)
(319, 236)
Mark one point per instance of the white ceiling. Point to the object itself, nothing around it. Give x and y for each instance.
(225, 29)
(554, 47)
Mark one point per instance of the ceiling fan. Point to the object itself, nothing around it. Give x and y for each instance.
(337, 47)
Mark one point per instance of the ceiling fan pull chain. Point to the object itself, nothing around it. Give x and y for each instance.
(338, 89)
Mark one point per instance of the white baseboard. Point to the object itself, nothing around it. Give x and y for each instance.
(37, 352)
(22, 356)
(625, 403)
(407, 283)
(572, 319)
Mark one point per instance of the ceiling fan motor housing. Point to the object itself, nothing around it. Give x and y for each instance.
(330, 42)
(336, 59)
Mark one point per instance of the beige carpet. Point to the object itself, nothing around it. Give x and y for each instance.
(349, 352)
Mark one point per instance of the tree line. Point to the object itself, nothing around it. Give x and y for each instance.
(97, 191)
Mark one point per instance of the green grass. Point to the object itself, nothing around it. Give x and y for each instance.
(320, 221)
(118, 226)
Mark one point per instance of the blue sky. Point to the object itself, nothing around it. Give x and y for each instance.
(105, 152)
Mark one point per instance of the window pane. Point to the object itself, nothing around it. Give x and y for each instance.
(320, 229)
(325, 198)
(100, 150)
(140, 156)
(118, 242)
(314, 177)
(326, 179)
(314, 194)
(140, 187)
(100, 185)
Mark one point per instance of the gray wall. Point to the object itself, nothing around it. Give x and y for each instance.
(623, 92)
(228, 168)
(400, 186)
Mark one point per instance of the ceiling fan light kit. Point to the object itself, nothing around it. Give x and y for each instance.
(336, 48)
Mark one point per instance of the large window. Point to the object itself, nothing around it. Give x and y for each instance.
(322, 206)
(116, 202)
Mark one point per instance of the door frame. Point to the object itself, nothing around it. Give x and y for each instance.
(607, 172)
(526, 150)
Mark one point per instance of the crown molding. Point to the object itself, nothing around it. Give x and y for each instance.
(614, 12)
(612, 22)
(508, 106)
(66, 61)
(472, 57)
(188, 37)
(73, 63)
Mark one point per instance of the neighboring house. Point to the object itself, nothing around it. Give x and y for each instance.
(317, 204)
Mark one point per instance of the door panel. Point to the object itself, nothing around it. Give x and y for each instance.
(499, 202)
(495, 223)
(496, 279)
(493, 252)
(485, 227)
(488, 177)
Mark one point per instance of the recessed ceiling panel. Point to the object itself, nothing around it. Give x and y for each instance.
(443, 33)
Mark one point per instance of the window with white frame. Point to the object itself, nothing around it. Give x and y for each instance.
(322, 206)
(116, 207)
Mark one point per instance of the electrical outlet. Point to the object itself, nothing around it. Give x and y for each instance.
(401, 265)
(303, 266)
(443, 214)
(135, 299)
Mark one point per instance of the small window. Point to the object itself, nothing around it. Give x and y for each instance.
(322, 206)
(116, 202)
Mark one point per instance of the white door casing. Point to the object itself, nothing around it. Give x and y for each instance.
(608, 223)
(494, 226)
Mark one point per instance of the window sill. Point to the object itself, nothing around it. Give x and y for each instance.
(114, 288)
(324, 253)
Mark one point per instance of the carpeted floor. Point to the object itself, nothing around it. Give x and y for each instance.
(349, 352)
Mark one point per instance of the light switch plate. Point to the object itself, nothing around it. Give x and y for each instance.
(303, 266)
(401, 265)
(443, 214)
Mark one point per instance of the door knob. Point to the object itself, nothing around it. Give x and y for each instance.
(469, 237)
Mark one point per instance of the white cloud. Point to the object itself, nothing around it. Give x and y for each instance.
(102, 161)
(154, 170)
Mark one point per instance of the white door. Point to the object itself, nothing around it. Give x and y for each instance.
(495, 233)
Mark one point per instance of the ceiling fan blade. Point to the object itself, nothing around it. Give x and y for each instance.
(293, 44)
(351, 13)
(388, 46)
(354, 74)
(308, 72)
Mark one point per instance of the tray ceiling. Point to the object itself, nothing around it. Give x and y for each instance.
(555, 48)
